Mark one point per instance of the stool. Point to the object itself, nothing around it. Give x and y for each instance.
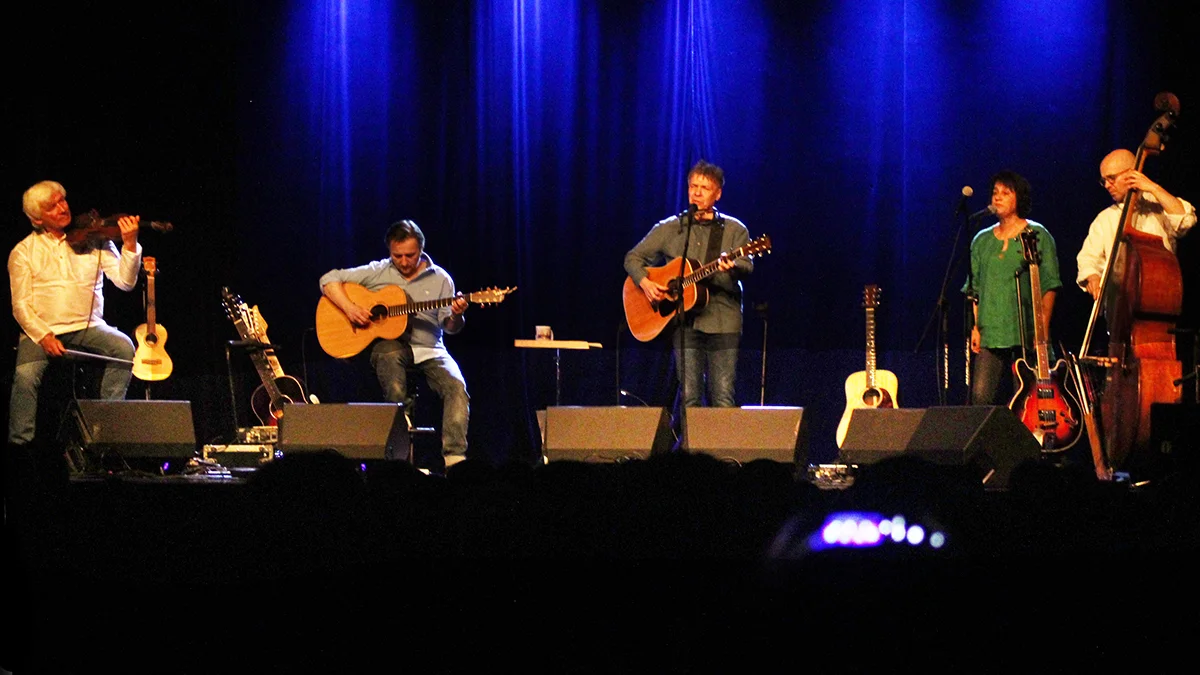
(424, 435)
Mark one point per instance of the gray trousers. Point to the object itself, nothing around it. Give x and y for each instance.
(31, 366)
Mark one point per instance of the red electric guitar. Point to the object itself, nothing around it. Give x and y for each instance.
(1050, 411)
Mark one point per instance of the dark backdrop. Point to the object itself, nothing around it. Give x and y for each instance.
(537, 142)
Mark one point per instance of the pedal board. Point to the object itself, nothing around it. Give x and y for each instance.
(239, 456)
(265, 435)
(831, 476)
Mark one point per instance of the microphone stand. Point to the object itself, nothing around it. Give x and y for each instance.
(940, 314)
(690, 217)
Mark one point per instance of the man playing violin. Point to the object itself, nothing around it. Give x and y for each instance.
(57, 300)
(1159, 213)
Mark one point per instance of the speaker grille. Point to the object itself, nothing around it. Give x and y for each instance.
(354, 430)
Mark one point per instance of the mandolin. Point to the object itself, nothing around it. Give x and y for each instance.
(150, 361)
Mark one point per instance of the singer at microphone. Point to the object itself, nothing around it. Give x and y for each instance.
(705, 335)
(1002, 325)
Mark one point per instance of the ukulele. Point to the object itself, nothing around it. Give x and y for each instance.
(277, 390)
(150, 361)
(390, 308)
(868, 388)
(1040, 402)
(647, 319)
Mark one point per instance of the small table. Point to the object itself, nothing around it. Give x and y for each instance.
(557, 346)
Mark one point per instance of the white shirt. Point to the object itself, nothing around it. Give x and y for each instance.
(56, 290)
(1151, 219)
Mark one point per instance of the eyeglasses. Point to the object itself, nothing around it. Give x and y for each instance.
(1105, 180)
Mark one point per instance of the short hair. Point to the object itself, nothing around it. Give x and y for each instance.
(1017, 183)
(710, 171)
(39, 194)
(404, 229)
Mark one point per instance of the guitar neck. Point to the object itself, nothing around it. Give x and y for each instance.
(151, 314)
(418, 307)
(264, 360)
(870, 369)
(704, 271)
(1039, 333)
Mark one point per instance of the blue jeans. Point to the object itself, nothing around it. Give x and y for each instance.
(31, 366)
(993, 367)
(706, 358)
(391, 360)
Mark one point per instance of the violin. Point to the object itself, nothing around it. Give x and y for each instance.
(89, 231)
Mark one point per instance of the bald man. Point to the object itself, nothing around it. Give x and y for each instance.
(1159, 213)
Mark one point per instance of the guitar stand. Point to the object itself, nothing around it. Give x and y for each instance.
(247, 345)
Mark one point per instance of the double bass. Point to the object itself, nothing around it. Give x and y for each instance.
(1142, 298)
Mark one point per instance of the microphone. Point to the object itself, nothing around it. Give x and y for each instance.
(967, 191)
(688, 216)
(982, 213)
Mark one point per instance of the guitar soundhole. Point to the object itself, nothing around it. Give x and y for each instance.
(152, 339)
(877, 398)
(378, 312)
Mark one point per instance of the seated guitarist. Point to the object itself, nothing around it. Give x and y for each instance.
(706, 346)
(410, 268)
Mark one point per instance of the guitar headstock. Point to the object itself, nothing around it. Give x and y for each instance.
(238, 313)
(1029, 241)
(150, 265)
(490, 296)
(871, 295)
(258, 325)
(759, 246)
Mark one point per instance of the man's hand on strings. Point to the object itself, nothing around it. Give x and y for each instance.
(655, 292)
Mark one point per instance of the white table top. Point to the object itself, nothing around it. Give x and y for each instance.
(557, 344)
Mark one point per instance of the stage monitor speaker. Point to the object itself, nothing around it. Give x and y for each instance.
(606, 433)
(354, 430)
(135, 428)
(990, 439)
(745, 434)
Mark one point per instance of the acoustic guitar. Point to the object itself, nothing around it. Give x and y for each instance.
(1049, 413)
(647, 319)
(151, 362)
(390, 308)
(871, 387)
(278, 389)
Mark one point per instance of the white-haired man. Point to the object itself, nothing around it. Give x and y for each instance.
(58, 300)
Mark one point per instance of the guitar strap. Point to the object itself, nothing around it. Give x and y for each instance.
(716, 234)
